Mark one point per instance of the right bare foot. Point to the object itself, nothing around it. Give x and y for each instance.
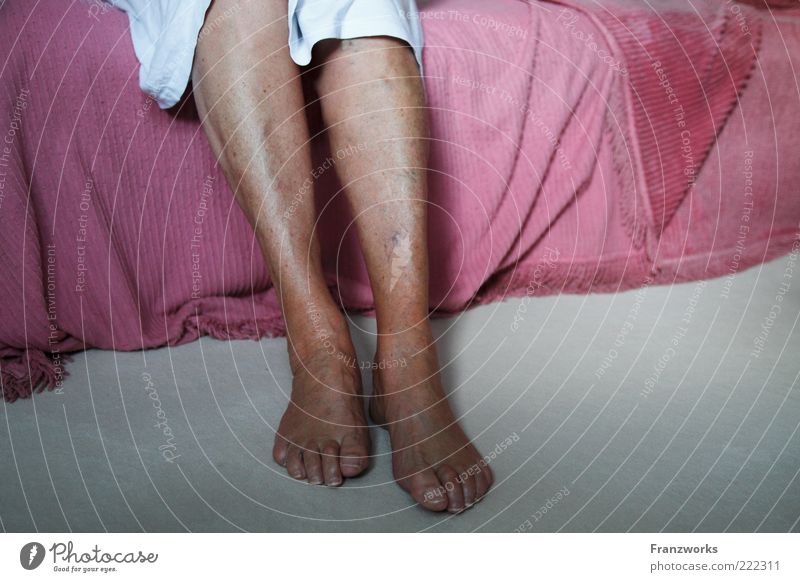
(432, 458)
(323, 435)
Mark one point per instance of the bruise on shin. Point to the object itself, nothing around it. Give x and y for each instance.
(400, 255)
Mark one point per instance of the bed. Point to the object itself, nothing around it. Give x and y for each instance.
(576, 148)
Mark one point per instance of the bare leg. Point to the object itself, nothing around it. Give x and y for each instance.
(250, 100)
(372, 94)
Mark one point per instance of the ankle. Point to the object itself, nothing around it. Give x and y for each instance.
(322, 351)
(396, 402)
(320, 336)
(407, 374)
(410, 342)
(393, 360)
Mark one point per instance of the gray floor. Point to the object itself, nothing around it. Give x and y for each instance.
(709, 443)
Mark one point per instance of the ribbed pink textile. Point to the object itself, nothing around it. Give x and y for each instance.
(118, 231)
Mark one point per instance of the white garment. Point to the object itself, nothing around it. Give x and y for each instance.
(165, 32)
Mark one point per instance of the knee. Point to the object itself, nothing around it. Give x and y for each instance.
(362, 48)
(369, 58)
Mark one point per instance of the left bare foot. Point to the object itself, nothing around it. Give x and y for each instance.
(432, 458)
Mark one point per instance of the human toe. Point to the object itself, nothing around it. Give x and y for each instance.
(294, 463)
(313, 465)
(427, 490)
(330, 464)
(354, 456)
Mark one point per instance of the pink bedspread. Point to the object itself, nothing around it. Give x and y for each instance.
(560, 163)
